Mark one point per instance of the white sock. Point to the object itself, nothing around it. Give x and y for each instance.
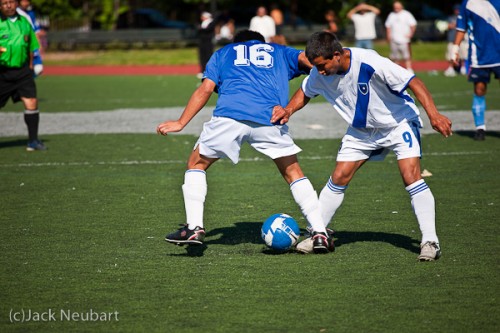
(423, 205)
(307, 199)
(330, 199)
(195, 191)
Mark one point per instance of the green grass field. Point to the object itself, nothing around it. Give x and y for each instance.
(83, 226)
(87, 93)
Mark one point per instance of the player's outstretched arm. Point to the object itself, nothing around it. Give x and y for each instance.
(439, 122)
(283, 114)
(196, 102)
(304, 63)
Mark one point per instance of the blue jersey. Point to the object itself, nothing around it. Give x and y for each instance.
(252, 77)
(481, 19)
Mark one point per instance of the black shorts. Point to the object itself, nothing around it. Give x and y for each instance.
(16, 83)
(483, 74)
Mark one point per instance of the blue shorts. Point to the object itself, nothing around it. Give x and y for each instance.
(483, 74)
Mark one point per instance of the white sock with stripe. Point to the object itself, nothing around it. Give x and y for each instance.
(195, 191)
(330, 199)
(423, 205)
(307, 199)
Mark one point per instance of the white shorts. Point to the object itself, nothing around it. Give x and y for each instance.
(400, 51)
(375, 143)
(222, 137)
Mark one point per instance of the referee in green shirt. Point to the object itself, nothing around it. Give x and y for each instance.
(17, 43)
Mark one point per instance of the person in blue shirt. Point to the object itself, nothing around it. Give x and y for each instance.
(250, 77)
(481, 20)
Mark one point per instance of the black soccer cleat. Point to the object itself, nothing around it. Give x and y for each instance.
(480, 135)
(187, 236)
(321, 242)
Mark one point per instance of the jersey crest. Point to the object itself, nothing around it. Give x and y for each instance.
(363, 88)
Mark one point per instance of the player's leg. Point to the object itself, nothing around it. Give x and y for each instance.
(194, 191)
(302, 191)
(275, 142)
(27, 94)
(480, 77)
(332, 195)
(479, 109)
(423, 204)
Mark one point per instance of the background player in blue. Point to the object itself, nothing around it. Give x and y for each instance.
(27, 11)
(480, 18)
(251, 77)
(368, 91)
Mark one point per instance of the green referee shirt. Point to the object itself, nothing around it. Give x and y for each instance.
(18, 37)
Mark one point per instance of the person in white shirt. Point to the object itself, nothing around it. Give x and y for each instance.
(400, 28)
(263, 24)
(369, 92)
(363, 16)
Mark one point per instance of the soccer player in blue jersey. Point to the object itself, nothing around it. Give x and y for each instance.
(369, 92)
(250, 77)
(480, 18)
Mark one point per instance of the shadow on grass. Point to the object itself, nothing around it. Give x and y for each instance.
(470, 134)
(13, 143)
(401, 241)
(249, 232)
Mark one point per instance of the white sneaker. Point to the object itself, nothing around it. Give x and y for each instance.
(429, 251)
(463, 71)
(450, 72)
(306, 246)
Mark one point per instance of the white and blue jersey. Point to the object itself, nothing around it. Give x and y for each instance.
(370, 95)
(481, 19)
(249, 78)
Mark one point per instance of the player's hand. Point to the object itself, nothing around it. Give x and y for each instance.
(2, 49)
(280, 114)
(454, 54)
(441, 124)
(168, 127)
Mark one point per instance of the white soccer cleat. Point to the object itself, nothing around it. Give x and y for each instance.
(306, 246)
(429, 251)
(450, 72)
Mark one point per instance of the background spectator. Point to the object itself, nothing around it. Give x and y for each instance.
(277, 16)
(363, 16)
(400, 28)
(331, 21)
(263, 24)
(206, 34)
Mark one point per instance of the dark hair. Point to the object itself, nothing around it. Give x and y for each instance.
(322, 44)
(246, 35)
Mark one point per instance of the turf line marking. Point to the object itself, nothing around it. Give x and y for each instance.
(255, 159)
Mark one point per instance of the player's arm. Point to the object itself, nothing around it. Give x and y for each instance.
(438, 122)
(459, 37)
(283, 114)
(304, 63)
(196, 102)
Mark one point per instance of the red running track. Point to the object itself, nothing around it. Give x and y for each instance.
(180, 70)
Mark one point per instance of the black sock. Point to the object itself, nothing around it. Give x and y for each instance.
(32, 120)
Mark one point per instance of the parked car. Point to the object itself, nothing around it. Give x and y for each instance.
(148, 18)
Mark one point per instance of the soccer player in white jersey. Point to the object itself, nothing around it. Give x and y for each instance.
(368, 91)
(250, 77)
(480, 18)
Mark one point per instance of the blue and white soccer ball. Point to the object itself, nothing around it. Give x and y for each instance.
(280, 232)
